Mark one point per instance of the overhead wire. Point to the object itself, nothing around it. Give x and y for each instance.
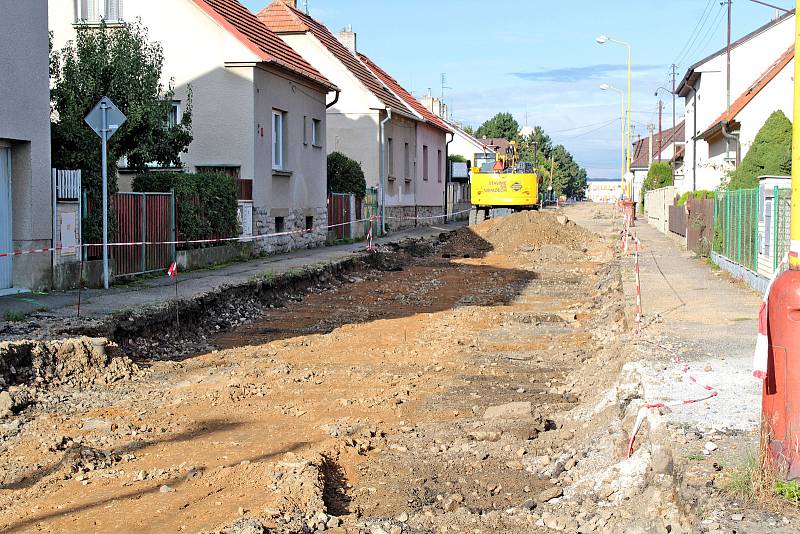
(695, 33)
(712, 30)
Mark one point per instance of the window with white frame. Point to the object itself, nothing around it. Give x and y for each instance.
(174, 117)
(277, 139)
(94, 11)
(316, 132)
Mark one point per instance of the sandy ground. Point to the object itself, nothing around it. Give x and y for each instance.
(474, 383)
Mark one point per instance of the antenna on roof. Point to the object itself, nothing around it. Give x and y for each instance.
(305, 6)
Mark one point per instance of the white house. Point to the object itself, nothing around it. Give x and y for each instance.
(646, 151)
(258, 107)
(364, 106)
(709, 155)
(772, 91)
(25, 196)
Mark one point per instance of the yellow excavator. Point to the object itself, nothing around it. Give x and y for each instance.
(506, 183)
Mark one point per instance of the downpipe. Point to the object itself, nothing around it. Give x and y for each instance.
(383, 169)
(730, 136)
(447, 174)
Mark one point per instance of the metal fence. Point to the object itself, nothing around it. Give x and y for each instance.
(341, 208)
(369, 208)
(736, 226)
(781, 209)
(139, 218)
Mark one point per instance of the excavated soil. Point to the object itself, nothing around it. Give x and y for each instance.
(471, 384)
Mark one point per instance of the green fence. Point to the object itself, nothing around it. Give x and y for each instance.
(736, 226)
(370, 209)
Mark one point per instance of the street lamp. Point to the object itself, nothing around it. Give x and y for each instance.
(603, 39)
(607, 87)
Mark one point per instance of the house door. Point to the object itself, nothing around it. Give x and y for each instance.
(5, 216)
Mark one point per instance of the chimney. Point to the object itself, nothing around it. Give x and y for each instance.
(348, 38)
(290, 3)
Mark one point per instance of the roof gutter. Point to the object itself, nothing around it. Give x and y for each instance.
(383, 169)
(335, 100)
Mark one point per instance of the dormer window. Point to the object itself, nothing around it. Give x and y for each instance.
(95, 11)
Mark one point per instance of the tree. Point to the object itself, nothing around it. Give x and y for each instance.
(470, 130)
(658, 175)
(345, 175)
(122, 64)
(770, 154)
(501, 126)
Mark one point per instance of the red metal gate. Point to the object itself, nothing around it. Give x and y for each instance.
(144, 219)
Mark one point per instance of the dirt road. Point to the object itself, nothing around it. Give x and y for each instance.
(470, 384)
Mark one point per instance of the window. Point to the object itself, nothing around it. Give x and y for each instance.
(305, 130)
(280, 225)
(309, 222)
(277, 139)
(316, 132)
(424, 162)
(93, 11)
(174, 117)
(407, 162)
(390, 156)
(439, 165)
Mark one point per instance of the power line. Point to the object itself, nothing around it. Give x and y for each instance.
(582, 127)
(696, 32)
(612, 122)
(708, 38)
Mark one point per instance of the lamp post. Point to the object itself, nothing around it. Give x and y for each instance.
(607, 87)
(603, 39)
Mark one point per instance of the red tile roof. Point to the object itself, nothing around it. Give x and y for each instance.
(498, 145)
(278, 16)
(407, 97)
(240, 22)
(761, 82)
(640, 159)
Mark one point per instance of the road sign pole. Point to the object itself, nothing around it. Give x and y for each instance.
(104, 140)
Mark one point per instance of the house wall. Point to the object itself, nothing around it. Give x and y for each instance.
(465, 147)
(222, 98)
(25, 125)
(352, 126)
(777, 95)
(748, 61)
(302, 193)
(431, 192)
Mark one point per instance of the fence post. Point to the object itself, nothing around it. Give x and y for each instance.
(174, 226)
(143, 206)
(774, 240)
(754, 222)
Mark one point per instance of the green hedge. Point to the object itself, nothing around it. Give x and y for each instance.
(206, 203)
(701, 194)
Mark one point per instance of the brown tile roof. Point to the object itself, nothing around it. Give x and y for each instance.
(240, 22)
(278, 15)
(761, 82)
(407, 97)
(640, 159)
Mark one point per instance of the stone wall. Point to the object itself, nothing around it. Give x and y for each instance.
(294, 220)
(403, 218)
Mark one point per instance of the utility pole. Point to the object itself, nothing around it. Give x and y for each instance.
(660, 107)
(441, 101)
(674, 133)
(728, 82)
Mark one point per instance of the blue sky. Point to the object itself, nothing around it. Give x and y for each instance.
(539, 59)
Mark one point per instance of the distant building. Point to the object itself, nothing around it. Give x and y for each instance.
(646, 152)
(603, 190)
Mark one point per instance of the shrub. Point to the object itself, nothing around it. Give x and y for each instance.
(659, 175)
(770, 154)
(700, 194)
(345, 175)
(207, 203)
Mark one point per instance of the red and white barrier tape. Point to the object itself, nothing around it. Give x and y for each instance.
(643, 410)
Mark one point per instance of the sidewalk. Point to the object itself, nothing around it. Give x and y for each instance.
(149, 291)
(700, 314)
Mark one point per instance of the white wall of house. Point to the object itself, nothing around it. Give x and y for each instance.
(748, 61)
(777, 95)
(464, 146)
(25, 134)
(353, 121)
